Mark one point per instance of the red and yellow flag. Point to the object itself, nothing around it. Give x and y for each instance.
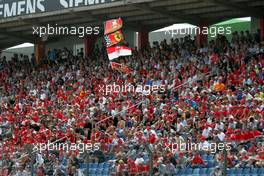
(114, 38)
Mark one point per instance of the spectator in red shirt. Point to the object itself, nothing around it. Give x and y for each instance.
(198, 161)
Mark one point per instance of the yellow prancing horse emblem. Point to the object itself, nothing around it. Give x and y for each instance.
(118, 36)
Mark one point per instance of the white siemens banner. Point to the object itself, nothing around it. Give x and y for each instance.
(12, 8)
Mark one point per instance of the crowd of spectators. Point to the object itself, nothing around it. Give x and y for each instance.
(214, 96)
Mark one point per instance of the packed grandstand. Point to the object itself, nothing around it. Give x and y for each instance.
(110, 88)
(213, 104)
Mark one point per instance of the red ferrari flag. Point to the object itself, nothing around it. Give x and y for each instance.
(115, 66)
(120, 67)
(114, 38)
(113, 25)
(126, 69)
